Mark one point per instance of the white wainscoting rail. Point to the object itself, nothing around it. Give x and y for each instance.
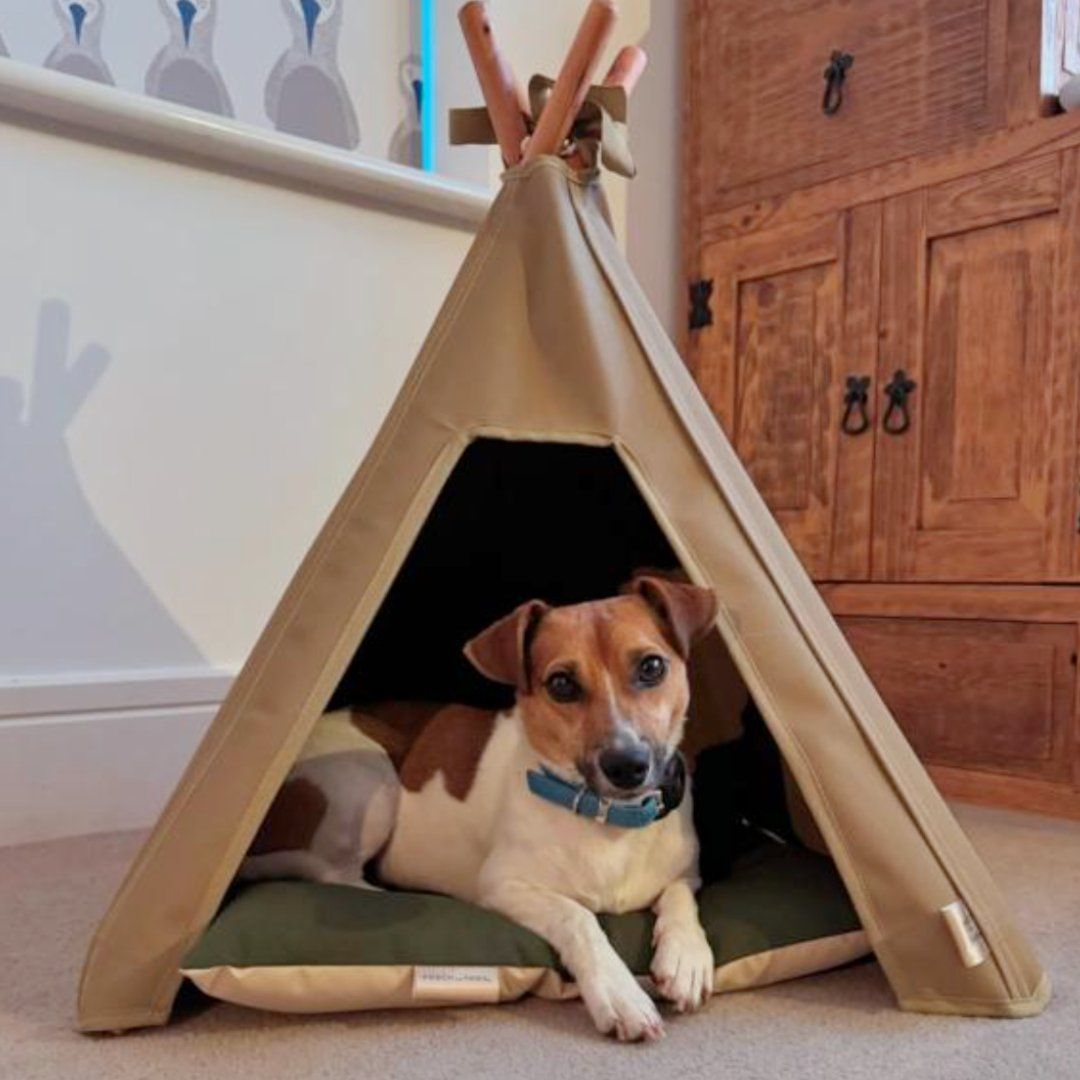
(77, 107)
(94, 753)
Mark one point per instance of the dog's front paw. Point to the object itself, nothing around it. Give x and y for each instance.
(619, 1007)
(682, 966)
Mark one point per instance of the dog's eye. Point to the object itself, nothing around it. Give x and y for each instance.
(563, 687)
(651, 670)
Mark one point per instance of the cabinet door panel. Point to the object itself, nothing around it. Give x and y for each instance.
(976, 694)
(783, 365)
(987, 364)
(795, 311)
(924, 72)
(976, 312)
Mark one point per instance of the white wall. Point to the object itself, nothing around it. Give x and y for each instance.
(201, 362)
(191, 366)
(655, 196)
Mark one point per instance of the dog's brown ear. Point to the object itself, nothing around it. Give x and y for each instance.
(685, 611)
(501, 652)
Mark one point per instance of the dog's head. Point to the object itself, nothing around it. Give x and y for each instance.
(602, 687)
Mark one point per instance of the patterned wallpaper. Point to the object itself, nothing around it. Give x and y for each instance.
(343, 72)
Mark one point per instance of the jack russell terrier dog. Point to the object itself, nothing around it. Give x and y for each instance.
(569, 804)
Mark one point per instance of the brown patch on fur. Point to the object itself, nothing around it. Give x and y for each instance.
(685, 611)
(395, 725)
(292, 820)
(451, 742)
(501, 652)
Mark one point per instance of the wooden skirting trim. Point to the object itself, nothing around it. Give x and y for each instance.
(78, 108)
(1041, 603)
(1008, 792)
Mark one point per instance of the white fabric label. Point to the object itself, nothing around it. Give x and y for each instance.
(456, 984)
(965, 932)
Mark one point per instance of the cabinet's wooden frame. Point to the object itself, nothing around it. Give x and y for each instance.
(973, 155)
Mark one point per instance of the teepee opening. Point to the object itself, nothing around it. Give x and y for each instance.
(559, 521)
(564, 522)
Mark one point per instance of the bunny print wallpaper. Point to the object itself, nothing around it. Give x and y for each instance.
(343, 73)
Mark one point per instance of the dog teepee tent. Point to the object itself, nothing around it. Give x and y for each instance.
(545, 360)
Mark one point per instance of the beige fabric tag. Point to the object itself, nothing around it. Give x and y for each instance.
(965, 933)
(455, 984)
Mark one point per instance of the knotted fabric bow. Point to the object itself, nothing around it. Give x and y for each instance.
(598, 133)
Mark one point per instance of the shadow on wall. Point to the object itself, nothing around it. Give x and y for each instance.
(70, 600)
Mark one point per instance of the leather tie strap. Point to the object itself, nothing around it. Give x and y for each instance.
(598, 133)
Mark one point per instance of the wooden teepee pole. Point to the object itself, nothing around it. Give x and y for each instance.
(506, 102)
(627, 68)
(574, 79)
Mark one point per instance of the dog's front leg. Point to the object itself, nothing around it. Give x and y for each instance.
(616, 1003)
(682, 966)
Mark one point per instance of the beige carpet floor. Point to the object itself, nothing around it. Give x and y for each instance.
(833, 1027)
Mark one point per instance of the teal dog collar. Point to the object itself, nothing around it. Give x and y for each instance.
(624, 813)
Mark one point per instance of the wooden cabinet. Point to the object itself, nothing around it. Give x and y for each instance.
(940, 517)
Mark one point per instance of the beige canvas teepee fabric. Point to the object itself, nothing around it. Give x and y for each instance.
(546, 336)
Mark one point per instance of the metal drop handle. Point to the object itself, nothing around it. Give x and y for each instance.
(897, 418)
(856, 419)
(835, 74)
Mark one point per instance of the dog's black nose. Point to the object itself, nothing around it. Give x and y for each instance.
(625, 766)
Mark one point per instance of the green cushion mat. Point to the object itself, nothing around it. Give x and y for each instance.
(777, 895)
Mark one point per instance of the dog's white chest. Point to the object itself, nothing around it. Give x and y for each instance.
(603, 867)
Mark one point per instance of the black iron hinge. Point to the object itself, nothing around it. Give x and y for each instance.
(700, 308)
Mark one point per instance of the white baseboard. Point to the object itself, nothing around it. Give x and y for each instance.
(82, 754)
